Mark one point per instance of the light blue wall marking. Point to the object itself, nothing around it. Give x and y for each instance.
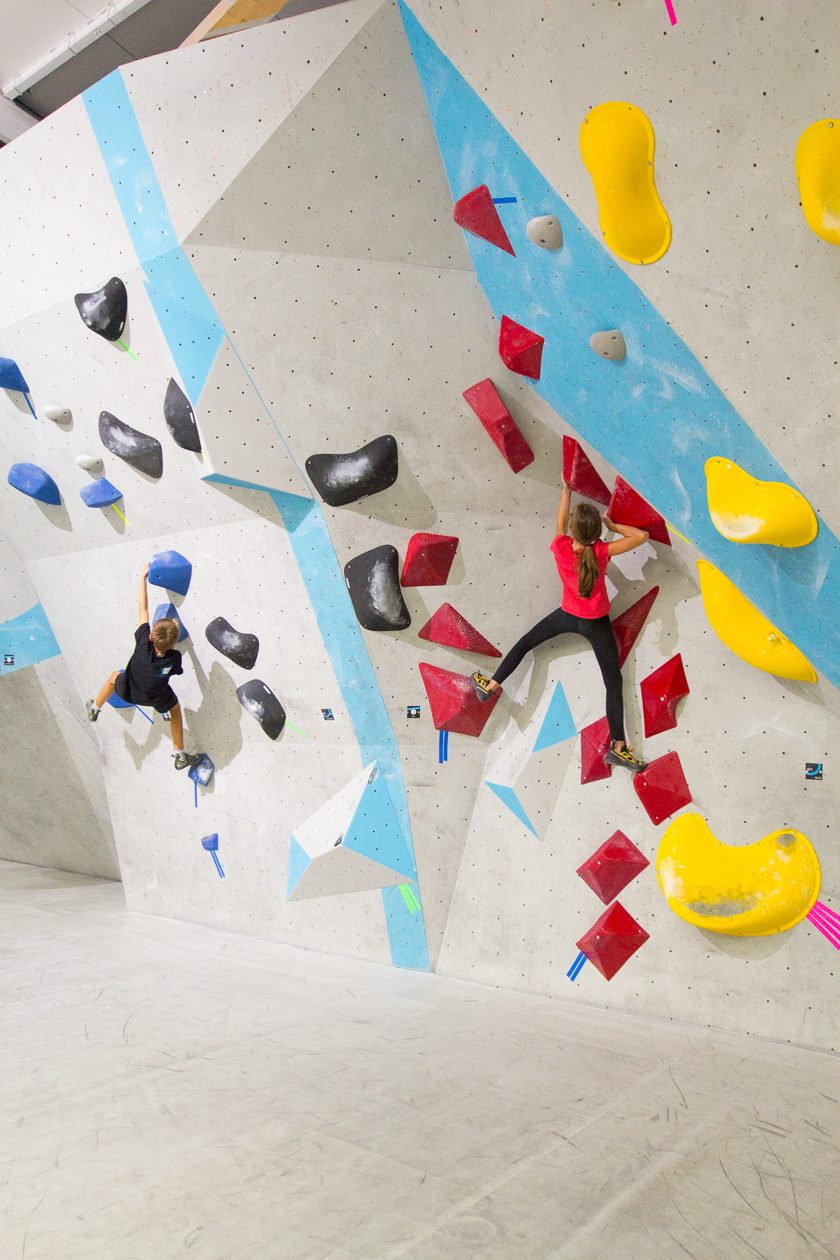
(185, 313)
(29, 638)
(376, 832)
(658, 416)
(298, 862)
(558, 723)
(508, 797)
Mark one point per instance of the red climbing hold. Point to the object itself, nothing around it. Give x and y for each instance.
(612, 940)
(428, 559)
(476, 213)
(448, 627)
(629, 508)
(455, 706)
(520, 348)
(661, 692)
(627, 626)
(594, 742)
(500, 424)
(612, 867)
(662, 788)
(581, 476)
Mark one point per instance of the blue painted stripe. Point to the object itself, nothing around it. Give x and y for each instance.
(508, 797)
(658, 416)
(558, 724)
(28, 638)
(185, 313)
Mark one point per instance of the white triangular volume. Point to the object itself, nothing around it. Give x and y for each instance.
(342, 871)
(322, 831)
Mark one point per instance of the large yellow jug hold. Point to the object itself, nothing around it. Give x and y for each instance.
(746, 510)
(617, 146)
(818, 175)
(740, 890)
(746, 631)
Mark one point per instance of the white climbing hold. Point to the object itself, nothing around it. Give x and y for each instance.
(61, 415)
(610, 345)
(545, 231)
(90, 463)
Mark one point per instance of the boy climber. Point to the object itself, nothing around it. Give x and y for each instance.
(145, 679)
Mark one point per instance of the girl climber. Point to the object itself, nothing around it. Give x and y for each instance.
(581, 559)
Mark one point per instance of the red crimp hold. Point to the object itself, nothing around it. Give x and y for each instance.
(448, 627)
(520, 348)
(594, 742)
(428, 559)
(627, 626)
(500, 424)
(661, 692)
(455, 706)
(629, 508)
(612, 867)
(580, 474)
(662, 788)
(476, 213)
(611, 941)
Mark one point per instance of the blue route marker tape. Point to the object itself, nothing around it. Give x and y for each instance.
(575, 969)
(504, 201)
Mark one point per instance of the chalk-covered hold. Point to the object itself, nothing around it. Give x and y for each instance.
(610, 345)
(59, 415)
(545, 231)
(341, 479)
(236, 645)
(141, 450)
(257, 698)
(373, 580)
(33, 481)
(180, 418)
(90, 463)
(105, 310)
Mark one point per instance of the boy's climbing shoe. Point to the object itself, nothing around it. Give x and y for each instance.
(92, 711)
(184, 759)
(625, 758)
(481, 686)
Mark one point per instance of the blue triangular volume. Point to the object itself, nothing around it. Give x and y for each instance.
(298, 861)
(375, 831)
(558, 723)
(508, 797)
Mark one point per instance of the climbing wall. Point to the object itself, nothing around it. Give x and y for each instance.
(381, 287)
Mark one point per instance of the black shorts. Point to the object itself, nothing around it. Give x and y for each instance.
(163, 701)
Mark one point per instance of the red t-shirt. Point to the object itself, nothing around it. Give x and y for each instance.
(598, 603)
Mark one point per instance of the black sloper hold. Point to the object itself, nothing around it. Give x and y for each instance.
(237, 646)
(180, 418)
(257, 698)
(105, 310)
(373, 580)
(141, 450)
(341, 479)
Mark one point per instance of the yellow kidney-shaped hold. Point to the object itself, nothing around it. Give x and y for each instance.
(617, 146)
(746, 631)
(740, 890)
(818, 175)
(746, 510)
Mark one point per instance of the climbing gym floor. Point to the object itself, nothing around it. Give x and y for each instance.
(169, 1090)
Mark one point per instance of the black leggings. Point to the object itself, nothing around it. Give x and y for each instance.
(599, 632)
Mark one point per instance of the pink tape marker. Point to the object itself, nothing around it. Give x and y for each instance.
(671, 14)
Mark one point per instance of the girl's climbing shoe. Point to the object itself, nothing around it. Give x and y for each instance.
(625, 758)
(481, 686)
(184, 759)
(92, 711)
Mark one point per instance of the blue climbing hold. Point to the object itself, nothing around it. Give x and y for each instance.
(100, 493)
(171, 570)
(167, 611)
(203, 772)
(11, 376)
(32, 480)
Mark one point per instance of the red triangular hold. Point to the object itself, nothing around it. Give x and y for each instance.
(428, 559)
(613, 939)
(476, 213)
(612, 867)
(627, 625)
(520, 348)
(661, 691)
(594, 742)
(629, 508)
(580, 474)
(662, 788)
(448, 627)
(500, 424)
(455, 706)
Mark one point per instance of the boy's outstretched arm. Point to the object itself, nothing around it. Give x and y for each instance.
(563, 509)
(143, 613)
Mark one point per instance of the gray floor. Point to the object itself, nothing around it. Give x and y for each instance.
(173, 1091)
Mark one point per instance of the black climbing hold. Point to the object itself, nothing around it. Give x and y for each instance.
(373, 580)
(257, 698)
(341, 479)
(138, 449)
(180, 419)
(238, 647)
(105, 310)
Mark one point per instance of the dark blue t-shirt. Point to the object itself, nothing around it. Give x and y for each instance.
(148, 674)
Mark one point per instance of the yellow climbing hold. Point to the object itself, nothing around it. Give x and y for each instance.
(746, 631)
(617, 145)
(818, 174)
(740, 890)
(746, 510)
